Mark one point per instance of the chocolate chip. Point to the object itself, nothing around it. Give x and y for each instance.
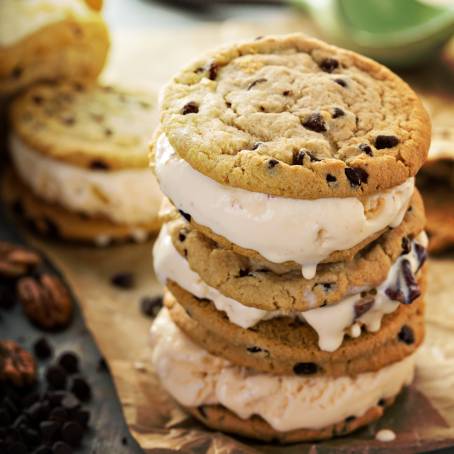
(244, 273)
(124, 280)
(406, 335)
(70, 402)
(384, 141)
(341, 82)
(363, 305)
(338, 112)
(69, 361)
(298, 158)
(272, 163)
(315, 122)
(49, 430)
(365, 148)
(185, 215)
(190, 108)
(330, 178)
(312, 157)
(151, 305)
(258, 81)
(350, 419)
(287, 93)
(37, 99)
(329, 65)
(411, 282)
(213, 71)
(56, 377)
(42, 348)
(254, 349)
(16, 72)
(381, 403)
(305, 368)
(356, 176)
(97, 164)
(182, 236)
(61, 448)
(72, 433)
(406, 245)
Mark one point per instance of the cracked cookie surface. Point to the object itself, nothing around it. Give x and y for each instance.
(294, 117)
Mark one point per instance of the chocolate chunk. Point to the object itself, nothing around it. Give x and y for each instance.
(72, 433)
(298, 158)
(395, 294)
(42, 348)
(258, 81)
(151, 305)
(254, 349)
(287, 93)
(365, 148)
(330, 178)
(305, 368)
(213, 71)
(356, 176)
(185, 215)
(315, 122)
(123, 280)
(272, 163)
(329, 65)
(363, 305)
(406, 245)
(411, 282)
(97, 164)
(182, 236)
(190, 108)
(341, 82)
(406, 335)
(56, 377)
(69, 361)
(338, 112)
(244, 273)
(312, 157)
(384, 141)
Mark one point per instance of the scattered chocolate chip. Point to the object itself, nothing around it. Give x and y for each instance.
(381, 403)
(406, 335)
(365, 148)
(305, 368)
(329, 65)
(69, 361)
(213, 71)
(254, 349)
(181, 237)
(185, 215)
(312, 157)
(315, 122)
(330, 178)
(190, 108)
(272, 163)
(356, 176)
(72, 433)
(406, 245)
(56, 377)
(151, 305)
(411, 282)
(42, 349)
(298, 158)
(258, 81)
(384, 141)
(338, 112)
(123, 280)
(363, 305)
(97, 164)
(341, 82)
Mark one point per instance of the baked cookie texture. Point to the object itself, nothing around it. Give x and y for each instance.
(269, 286)
(86, 125)
(74, 47)
(294, 117)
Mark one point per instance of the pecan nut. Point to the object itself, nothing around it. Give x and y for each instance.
(45, 301)
(15, 261)
(16, 364)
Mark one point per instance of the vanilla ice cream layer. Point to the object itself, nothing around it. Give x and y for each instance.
(129, 196)
(20, 18)
(331, 323)
(278, 228)
(195, 377)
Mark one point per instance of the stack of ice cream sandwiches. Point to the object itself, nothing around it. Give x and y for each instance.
(293, 244)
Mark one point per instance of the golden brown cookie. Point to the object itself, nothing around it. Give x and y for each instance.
(220, 418)
(68, 43)
(268, 286)
(55, 222)
(286, 346)
(292, 116)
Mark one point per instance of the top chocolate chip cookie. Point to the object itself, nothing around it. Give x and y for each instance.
(292, 116)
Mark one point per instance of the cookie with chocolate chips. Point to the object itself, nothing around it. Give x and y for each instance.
(50, 41)
(286, 346)
(362, 129)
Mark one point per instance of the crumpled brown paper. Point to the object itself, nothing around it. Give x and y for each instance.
(423, 417)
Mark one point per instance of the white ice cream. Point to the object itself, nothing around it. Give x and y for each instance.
(129, 196)
(331, 323)
(194, 377)
(279, 228)
(20, 18)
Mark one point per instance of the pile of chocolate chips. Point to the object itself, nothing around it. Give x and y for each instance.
(47, 417)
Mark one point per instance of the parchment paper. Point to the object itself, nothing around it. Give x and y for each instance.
(423, 417)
